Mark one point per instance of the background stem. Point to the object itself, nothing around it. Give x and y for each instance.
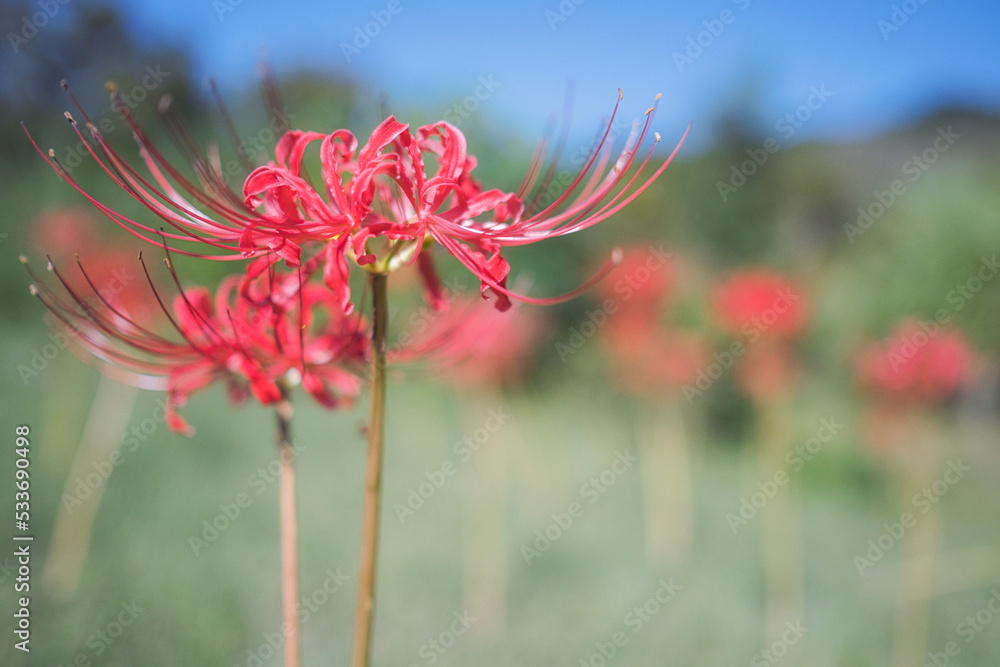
(373, 478)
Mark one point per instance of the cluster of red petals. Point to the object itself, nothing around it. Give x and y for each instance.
(257, 334)
(761, 301)
(917, 364)
(408, 189)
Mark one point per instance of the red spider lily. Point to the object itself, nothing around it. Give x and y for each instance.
(642, 282)
(295, 334)
(472, 344)
(381, 202)
(759, 302)
(917, 363)
(648, 356)
(769, 310)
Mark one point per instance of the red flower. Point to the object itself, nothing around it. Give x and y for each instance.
(294, 334)
(760, 302)
(383, 202)
(643, 282)
(472, 344)
(648, 356)
(917, 363)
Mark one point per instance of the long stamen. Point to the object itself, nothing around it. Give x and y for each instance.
(206, 325)
(166, 311)
(124, 222)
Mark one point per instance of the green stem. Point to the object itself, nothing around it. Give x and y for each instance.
(289, 536)
(373, 478)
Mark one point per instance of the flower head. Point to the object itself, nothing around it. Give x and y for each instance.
(293, 334)
(762, 301)
(916, 363)
(769, 311)
(378, 204)
(643, 282)
(472, 344)
(648, 355)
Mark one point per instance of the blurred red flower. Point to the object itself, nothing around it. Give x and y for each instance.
(473, 344)
(68, 234)
(757, 302)
(922, 363)
(644, 281)
(648, 355)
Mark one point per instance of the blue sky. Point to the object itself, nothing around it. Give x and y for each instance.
(884, 63)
